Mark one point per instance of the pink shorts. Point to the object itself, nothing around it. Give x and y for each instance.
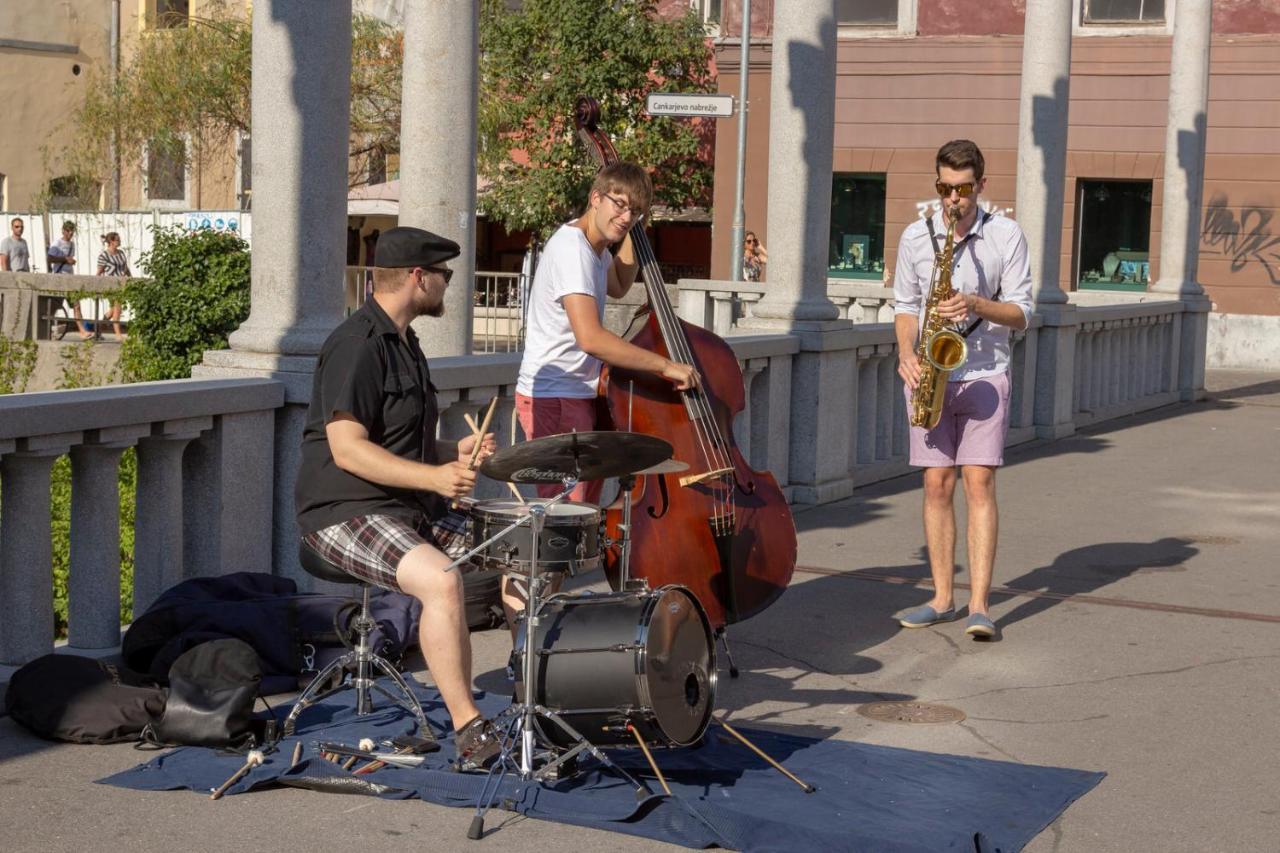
(543, 416)
(975, 421)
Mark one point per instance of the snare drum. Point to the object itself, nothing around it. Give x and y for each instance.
(644, 658)
(570, 541)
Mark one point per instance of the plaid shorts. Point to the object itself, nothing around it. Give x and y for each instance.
(370, 547)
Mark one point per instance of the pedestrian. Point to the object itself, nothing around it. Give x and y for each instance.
(992, 278)
(114, 262)
(15, 255)
(754, 257)
(62, 260)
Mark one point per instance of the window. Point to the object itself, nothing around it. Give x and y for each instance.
(856, 248)
(1113, 234)
(167, 14)
(710, 10)
(73, 192)
(1123, 11)
(867, 13)
(166, 179)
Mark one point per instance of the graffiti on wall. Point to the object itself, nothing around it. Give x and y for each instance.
(930, 206)
(1244, 235)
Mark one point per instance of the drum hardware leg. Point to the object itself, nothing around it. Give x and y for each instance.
(627, 484)
(644, 747)
(808, 789)
(723, 636)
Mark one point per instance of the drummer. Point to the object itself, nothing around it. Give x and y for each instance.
(373, 476)
(565, 339)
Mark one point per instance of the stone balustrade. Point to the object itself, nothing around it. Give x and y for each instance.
(214, 494)
(206, 457)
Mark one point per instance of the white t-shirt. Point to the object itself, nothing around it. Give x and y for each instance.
(554, 365)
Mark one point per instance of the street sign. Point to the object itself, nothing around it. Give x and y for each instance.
(683, 104)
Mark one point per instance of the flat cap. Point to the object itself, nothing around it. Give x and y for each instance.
(413, 247)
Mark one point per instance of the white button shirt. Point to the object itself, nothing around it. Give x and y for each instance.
(991, 259)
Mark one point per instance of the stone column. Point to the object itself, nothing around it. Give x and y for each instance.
(157, 534)
(26, 550)
(1042, 158)
(1184, 146)
(301, 124)
(438, 150)
(301, 97)
(94, 576)
(801, 140)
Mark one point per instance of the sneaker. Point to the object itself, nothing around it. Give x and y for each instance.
(979, 626)
(478, 745)
(924, 616)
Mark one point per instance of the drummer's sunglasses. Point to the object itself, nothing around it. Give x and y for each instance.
(444, 271)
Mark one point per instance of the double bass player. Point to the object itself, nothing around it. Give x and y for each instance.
(565, 338)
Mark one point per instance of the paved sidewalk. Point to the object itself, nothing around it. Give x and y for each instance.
(1144, 641)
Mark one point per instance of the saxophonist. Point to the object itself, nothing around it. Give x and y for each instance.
(990, 294)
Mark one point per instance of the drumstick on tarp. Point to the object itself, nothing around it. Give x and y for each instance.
(471, 422)
(808, 789)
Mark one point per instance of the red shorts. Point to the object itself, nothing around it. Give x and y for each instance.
(543, 416)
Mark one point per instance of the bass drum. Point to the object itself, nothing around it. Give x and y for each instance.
(639, 657)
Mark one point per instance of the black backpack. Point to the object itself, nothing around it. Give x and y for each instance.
(212, 689)
(82, 700)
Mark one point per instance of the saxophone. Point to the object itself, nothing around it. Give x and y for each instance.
(941, 349)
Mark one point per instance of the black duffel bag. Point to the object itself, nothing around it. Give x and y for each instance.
(82, 700)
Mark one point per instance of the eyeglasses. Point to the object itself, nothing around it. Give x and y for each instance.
(620, 205)
(444, 271)
(751, 241)
(944, 189)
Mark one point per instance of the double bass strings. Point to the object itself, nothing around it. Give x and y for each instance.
(710, 438)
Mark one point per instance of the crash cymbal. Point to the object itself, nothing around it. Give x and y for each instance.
(587, 455)
(669, 466)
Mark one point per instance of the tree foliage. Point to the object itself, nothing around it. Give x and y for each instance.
(377, 54)
(193, 84)
(536, 62)
(184, 90)
(197, 295)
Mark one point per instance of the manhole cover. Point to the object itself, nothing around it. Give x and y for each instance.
(910, 712)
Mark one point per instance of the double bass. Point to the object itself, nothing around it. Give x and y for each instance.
(719, 528)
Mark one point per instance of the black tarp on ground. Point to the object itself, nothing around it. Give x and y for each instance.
(869, 798)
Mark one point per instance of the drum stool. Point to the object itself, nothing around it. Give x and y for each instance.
(360, 662)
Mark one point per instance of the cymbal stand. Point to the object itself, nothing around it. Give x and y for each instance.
(519, 722)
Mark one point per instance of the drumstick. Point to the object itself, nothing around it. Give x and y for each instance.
(471, 422)
(255, 758)
(484, 427)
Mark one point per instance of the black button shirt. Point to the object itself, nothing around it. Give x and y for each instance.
(367, 370)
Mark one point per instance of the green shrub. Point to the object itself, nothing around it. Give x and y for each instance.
(197, 295)
(17, 363)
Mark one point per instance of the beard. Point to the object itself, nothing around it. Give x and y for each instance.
(429, 303)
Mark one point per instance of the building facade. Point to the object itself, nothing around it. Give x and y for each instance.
(50, 54)
(913, 74)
